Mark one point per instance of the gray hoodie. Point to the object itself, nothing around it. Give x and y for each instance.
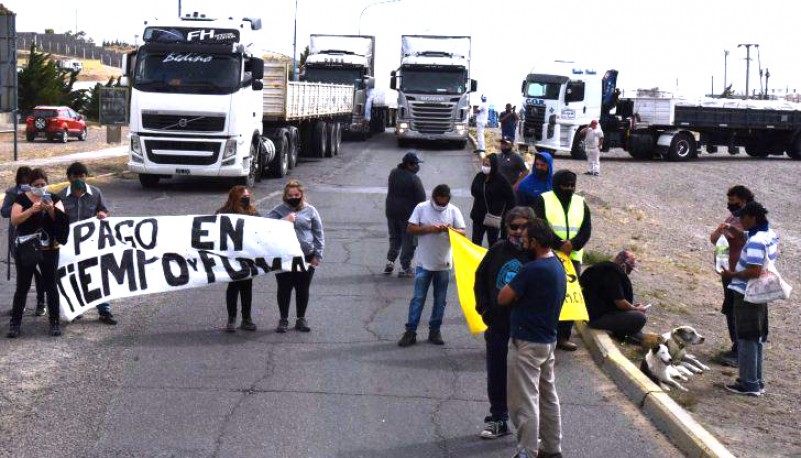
(308, 227)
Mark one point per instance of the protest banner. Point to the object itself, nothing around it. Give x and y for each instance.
(118, 257)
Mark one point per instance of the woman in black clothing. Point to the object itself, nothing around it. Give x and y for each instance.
(37, 211)
(491, 192)
(239, 202)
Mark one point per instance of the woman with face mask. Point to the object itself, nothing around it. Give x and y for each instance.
(309, 229)
(239, 203)
(493, 195)
(38, 212)
(540, 180)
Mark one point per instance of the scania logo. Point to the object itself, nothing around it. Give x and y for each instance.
(182, 123)
(432, 99)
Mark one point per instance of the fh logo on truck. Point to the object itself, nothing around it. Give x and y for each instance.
(210, 35)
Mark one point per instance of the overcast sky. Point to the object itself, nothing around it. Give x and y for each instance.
(652, 43)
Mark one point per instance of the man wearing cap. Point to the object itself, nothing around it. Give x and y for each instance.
(610, 297)
(511, 165)
(569, 218)
(482, 115)
(593, 142)
(508, 121)
(404, 192)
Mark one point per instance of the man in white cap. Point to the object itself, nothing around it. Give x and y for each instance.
(482, 115)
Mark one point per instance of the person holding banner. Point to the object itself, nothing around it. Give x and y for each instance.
(40, 226)
(309, 229)
(536, 295)
(22, 184)
(239, 202)
(498, 267)
(569, 218)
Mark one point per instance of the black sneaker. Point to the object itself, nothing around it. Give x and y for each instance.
(108, 318)
(738, 388)
(247, 325)
(761, 385)
(389, 267)
(13, 331)
(542, 454)
(231, 325)
(282, 326)
(301, 325)
(40, 310)
(435, 337)
(409, 338)
(495, 429)
(55, 329)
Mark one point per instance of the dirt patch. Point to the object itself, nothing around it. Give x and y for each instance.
(664, 212)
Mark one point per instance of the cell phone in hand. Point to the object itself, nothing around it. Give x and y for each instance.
(647, 306)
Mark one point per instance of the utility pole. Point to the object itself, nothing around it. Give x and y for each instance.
(295, 46)
(767, 76)
(747, 63)
(179, 9)
(725, 69)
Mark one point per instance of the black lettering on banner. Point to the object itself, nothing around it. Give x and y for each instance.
(86, 278)
(106, 236)
(192, 263)
(261, 263)
(125, 268)
(141, 263)
(207, 258)
(241, 274)
(297, 264)
(236, 234)
(154, 233)
(118, 230)
(81, 233)
(198, 232)
(62, 272)
(251, 265)
(170, 259)
(75, 287)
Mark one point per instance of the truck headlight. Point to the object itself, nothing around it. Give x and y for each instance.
(230, 149)
(460, 127)
(136, 150)
(403, 125)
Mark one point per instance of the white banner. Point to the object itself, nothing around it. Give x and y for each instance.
(114, 258)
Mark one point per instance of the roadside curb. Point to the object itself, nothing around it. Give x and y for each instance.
(688, 435)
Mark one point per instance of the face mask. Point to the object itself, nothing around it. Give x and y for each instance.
(39, 191)
(438, 208)
(506, 150)
(79, 185)
(486, 169)
(414, 168)
(244, 202)
(541, 174)
(733, 208)
(294, 202)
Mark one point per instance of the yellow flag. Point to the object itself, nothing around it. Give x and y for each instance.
(466, 258)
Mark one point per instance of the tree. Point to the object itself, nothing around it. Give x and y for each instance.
(50, 32)
(727, 93)
(44, 83)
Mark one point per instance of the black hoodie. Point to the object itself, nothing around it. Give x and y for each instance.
(404, 192)
(501, 263)
(499, 193)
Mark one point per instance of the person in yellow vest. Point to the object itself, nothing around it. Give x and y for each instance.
(569, 218)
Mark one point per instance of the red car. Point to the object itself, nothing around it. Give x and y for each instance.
(55, 123)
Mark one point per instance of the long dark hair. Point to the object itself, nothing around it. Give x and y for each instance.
(493, 160)
(23, 175)
(233, 204)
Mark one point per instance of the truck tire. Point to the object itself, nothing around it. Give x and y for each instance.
(148, 180)
(280, 163)
(319, 140)
(794, 150)
(641, 146)
(332, 139)
(338, 140)
(682, 148)
(249, 180)
(757, 149)
(294, 146)
(577, 148)
(461, 144)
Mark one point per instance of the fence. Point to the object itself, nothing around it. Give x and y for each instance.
(65, 45)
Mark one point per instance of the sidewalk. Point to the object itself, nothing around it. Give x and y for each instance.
(106, 153)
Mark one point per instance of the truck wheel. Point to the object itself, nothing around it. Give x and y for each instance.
(641, 146)
(461, 144)
(756, 150)
(256, 160)
(294, 147)
(83, 135)
(794, 150)
(338, 139)
(319, 139)
(331, 136)
(682, 147)
(577, 148)
(148, 180)
(280, 164)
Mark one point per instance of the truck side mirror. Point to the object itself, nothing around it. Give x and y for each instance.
(257, 68)
(473, 85)
(128, 63)
(257, 85)
(393, 82)
(523, 88)
(393, 73)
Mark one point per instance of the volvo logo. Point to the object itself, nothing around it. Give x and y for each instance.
(182, 122)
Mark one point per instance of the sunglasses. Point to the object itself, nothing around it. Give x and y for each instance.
(514, 227)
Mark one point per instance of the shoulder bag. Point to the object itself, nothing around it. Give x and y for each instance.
(768, 287)
(490, 220)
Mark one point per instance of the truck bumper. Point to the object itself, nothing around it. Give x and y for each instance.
(414, 135)
(171, 156)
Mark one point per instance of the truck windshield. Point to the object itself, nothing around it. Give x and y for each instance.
(349, 76)
(549, 91)
(433, 81)
(187, 73)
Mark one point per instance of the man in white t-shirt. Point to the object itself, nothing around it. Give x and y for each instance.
(482, 115)
(593, 142)
(430, 222)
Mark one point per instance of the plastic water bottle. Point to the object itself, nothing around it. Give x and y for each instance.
(721, 254)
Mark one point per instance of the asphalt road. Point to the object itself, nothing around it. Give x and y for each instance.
(167, 382)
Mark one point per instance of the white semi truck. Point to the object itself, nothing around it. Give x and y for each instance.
(434, 85)
(561, 98)
(202, 104)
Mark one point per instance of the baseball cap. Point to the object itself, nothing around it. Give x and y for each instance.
(506, 140)
(627, 257)
(411, 158)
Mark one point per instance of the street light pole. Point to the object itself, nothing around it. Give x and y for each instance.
(370, 5)
(725, 69)
(295, 46)
(747, 63)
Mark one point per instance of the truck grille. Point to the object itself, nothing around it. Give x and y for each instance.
(432, 118)
(183, 122)
(207, 152)
(535, 118)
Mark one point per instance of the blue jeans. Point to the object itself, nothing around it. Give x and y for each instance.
(422, 280)
(749, 356)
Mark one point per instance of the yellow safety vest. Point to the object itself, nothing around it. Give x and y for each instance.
(565, 225)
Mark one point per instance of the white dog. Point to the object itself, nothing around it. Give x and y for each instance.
(657, 366)
(677, 340)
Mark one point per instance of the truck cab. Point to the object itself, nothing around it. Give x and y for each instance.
(559, 100)
(196, 100)
(434, 85)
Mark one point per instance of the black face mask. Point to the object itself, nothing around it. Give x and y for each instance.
(294, 203)
(414, 168)
(244, 202)
(733, 208)
(541, 174)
